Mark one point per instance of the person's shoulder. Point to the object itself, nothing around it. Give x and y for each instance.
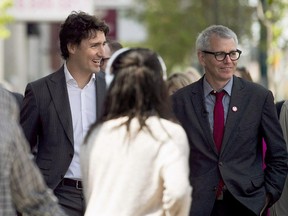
(59, 74)
(187, 90)
(283, 103)
(19, 98)
(185, 94)
(173, 127)
(5, 95)
(252, 87)
(8, 105)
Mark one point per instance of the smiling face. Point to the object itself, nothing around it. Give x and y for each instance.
(218, 73)
(86, 56)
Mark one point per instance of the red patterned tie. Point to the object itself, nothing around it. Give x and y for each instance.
(218, 129)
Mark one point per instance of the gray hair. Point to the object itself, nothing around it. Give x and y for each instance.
(203, 39)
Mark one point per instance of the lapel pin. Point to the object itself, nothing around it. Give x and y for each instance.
(234, 109)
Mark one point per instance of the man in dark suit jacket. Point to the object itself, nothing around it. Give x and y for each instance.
(250, 115)
(58, 109)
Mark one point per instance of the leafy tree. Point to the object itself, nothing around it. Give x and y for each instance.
(5, 18)
(271, 14)
(174, 25)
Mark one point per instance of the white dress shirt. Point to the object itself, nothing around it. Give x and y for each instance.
(83, 110)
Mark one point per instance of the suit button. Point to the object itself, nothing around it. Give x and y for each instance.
(71, 155)
(215, 188)
(220, 163)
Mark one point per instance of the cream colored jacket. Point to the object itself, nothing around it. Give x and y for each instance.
(136, 176)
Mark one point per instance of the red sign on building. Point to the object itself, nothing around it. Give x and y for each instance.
(110, 17)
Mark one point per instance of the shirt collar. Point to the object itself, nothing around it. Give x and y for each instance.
(207, 87)
(69, 78)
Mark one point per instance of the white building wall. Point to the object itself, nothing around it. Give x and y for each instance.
(15, 57)
(25, 59)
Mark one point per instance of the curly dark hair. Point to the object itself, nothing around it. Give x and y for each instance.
(79, 26)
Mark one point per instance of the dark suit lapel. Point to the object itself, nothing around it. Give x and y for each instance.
(58, 89)
(100, 92)
(198, 102)
(235, 110)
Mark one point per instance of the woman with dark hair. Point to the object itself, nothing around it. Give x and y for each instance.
(135, 159)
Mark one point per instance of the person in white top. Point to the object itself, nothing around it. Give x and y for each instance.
(134, 159)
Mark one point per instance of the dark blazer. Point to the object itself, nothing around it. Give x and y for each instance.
(240, 159)
(47, 122)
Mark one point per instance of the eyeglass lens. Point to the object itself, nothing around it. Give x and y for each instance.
(220, 56)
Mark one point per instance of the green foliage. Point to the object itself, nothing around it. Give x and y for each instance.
(271, 14)
(174, 25)
(274, 11)
(5, 18)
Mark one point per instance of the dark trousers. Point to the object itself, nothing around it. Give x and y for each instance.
(230, 206)
(71, 200)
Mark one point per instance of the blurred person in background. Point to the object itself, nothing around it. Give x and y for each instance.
(193, 73)
(18, 96)
(110, 47)
(280, 208)
(22, 185)
(243, 73)
(176, 81)
(135, 160)
(59, 109)
(226, 118)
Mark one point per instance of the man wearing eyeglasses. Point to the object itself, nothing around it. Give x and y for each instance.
(226, 118)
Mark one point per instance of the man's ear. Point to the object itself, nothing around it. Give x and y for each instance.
(201, 58)
(71, 48)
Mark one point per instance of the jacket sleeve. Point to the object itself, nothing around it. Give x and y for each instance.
(29, 116)
(29, 191)
(175, 173)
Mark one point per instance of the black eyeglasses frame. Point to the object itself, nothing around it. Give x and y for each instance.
(217, 54)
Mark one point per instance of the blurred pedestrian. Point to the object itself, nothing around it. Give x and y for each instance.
(192, 73)
(135, 160)
(226, 118)
(110, 47)
(176, 81)
(18, 96)
(280, 208)
(59, 109)
(243, 73)
(22, 185)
